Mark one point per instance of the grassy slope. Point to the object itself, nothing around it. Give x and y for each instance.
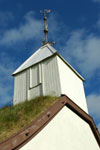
(13, 119)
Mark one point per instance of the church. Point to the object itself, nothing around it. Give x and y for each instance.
(66, 125)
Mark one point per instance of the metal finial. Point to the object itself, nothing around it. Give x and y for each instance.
(45, 39)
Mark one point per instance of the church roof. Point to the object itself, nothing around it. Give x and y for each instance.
(18, 140)
(42, 53)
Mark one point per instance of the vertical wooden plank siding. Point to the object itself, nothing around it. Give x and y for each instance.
(20, 87)
(51, 84)
(35, 85)
(34, 76)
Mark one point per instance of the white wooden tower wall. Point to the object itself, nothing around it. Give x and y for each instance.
(50, 74)
(40, 79)
(71, 85)
(50, 77)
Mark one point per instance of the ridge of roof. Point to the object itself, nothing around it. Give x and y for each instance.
(20, 139)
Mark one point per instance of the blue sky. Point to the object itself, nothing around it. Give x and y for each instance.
(75, 27)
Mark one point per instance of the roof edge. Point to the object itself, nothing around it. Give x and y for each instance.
(35, 64)
(52, 49)
(20, 139)
(56, 53)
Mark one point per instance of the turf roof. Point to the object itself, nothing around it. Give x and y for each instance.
(15, 118)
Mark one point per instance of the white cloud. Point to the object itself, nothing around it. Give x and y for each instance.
(30, 29)
(93, 102)
(83, 49)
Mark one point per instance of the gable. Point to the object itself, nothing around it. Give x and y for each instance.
(83, 122)
(65, 131)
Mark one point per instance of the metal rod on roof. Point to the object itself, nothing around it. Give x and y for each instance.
(45, 39)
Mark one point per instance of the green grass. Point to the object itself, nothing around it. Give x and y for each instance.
(14, 119)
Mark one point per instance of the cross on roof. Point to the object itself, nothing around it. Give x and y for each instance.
(45, 39)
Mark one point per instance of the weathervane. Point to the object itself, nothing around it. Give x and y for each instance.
(45, 39)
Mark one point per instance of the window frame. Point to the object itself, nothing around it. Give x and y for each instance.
(38, 74)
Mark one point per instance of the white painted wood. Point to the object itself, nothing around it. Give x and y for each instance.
(34, 92)
(20, 88)
(35, 86)
(40, 72)
(66, 131)
(34, 76)
(71, 85)
(51, 82)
